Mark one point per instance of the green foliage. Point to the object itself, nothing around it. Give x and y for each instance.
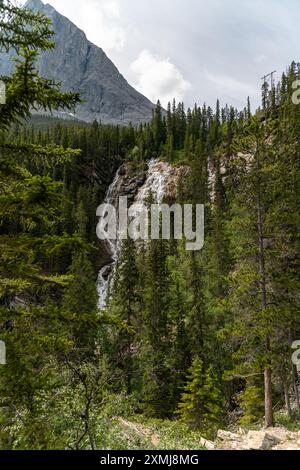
(21, 27)
(74, 375)
(201, 405)
(27, 90)
(252, 403)
(81, 296)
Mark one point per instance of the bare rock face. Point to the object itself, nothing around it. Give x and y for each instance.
(262, 440)
(81, 66)
(209, 445)
(227, 435)
(130, 179)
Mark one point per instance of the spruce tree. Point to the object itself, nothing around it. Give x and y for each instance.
(201, 404)
(126, 306)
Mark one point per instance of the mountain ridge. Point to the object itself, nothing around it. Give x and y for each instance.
(82, 66)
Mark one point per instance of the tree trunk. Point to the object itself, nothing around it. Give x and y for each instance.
(269, 420)
(269, 417)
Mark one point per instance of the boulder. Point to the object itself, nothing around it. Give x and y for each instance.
(227, 436)
(262, 440)
(280, 433)
(287, 446)
(206, 444)
(276, 438)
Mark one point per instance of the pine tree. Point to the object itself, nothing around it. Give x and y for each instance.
(126, 306)
(157, 390)
(81, 297)
(201, 405)
(159, 132)
(251, 400)
(251, 281)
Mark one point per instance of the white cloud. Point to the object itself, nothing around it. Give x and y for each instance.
(234, 38)
(228, 86)
(158, 78)
(260, 59)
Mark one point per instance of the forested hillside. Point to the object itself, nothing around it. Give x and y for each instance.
(189, 341)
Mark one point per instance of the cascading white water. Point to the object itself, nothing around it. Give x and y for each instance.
(159, 176)
(155, 184)
(106, 272)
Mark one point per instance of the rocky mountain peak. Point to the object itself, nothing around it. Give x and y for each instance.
(34, 4)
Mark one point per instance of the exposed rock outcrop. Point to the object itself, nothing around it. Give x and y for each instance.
(266, 439)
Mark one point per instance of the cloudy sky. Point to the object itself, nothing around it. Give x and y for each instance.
(193, 50)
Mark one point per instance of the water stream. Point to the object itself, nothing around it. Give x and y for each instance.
(158, 177)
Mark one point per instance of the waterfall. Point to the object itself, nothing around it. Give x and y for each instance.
(107, 271)
(157, 178)
(160, 180)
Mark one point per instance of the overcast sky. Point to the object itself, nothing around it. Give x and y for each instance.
(193, 50)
